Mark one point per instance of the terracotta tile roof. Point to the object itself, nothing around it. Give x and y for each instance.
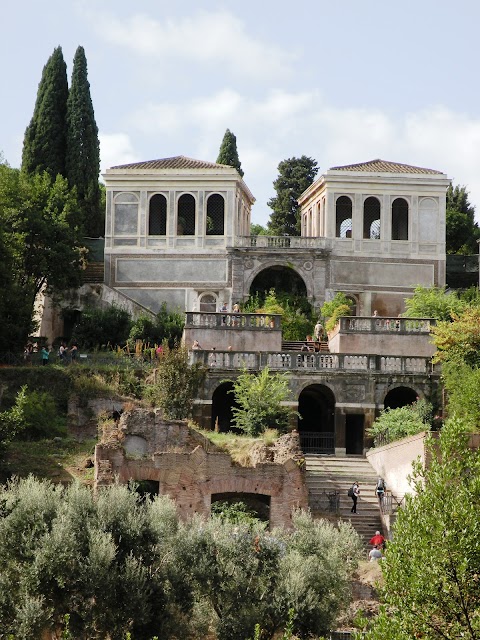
(384, 166)
(177, 162)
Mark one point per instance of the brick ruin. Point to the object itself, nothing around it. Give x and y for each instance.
(142, 445)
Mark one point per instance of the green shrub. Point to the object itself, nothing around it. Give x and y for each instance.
(176, 383)
(99, 328)
(235, 512)
(332, 310)
(394, 424)
(167, 325)
(259, 398)
(33, 416)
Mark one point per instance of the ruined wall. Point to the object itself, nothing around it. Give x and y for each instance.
(190, 469)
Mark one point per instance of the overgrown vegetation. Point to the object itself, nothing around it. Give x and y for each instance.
(430, 570)
(394, 424)
(119, 564)
(166, 326)
(332, 310)
(297, 314)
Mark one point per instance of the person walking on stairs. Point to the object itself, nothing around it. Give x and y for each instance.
(355, 491)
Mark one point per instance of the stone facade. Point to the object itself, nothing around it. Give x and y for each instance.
(374, 231)
(189, 469)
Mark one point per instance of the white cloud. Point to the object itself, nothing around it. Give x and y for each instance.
(283, 124)
(207, 38)
(116, 148)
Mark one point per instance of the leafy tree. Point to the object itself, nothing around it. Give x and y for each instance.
(107, 562)
(297, 321)
(259, 398)
(294, 176)
(167, 325)
(44, 144)
(83, 150)
(176, 383)
(394, 424)
(433, 302)
(462, 383)
(101, 327)
(332, 310)
(36, 224)
(258, 230)
(459, 341)
(228, 153)
(462, 232)
(430, 572)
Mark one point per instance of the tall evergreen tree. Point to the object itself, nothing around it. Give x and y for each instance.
(228, 153)
(294, 176)
(83, 149)
(45, 137)
(462, 230)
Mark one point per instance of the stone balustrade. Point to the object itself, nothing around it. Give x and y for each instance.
(282, 242)
(295, 361)
(230, 320)
(372, 324)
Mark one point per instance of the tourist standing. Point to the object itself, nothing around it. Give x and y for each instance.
(355, 491)
(45, 355)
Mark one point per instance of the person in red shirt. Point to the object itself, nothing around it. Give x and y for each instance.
(377, 540)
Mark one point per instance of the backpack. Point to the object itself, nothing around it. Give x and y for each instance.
(350, 492)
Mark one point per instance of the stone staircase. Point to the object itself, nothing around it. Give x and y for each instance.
(327, 474)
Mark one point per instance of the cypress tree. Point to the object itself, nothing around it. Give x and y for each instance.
(83, 149)
(44, 143)
(228, 153)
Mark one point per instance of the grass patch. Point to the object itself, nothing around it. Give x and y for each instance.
(238, 446)
(59, 461)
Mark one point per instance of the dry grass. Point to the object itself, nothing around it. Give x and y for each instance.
(240, 447)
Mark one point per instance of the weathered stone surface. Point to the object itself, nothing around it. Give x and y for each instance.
(190, 469)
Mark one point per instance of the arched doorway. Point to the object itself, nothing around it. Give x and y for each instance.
(284, 280)
(316, 425)
(400, 397)
(222, 405)
(257, 503)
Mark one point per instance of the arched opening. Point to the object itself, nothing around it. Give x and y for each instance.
(283, 279)
(257, 502)
(157, 215)
(215, 215)
(400, 397)
(371, 218)
(316, 425)
(399, 219)
(222, 404)
(147, 488)
(343, 220)
(208, 303)
(186, 215)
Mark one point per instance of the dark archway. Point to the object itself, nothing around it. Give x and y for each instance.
(316, 406)
(400, 397)
(222, 405)
(258, 502)
(283, 279)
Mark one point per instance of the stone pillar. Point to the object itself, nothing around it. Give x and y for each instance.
(340, 435)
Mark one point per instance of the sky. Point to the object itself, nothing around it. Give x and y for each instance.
(340, 82)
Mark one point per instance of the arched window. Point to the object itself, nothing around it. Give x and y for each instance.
(399, 219)
(186, 215)
(215, 215)
(208, 303)
(157, 216)
(343, 222)
(371, 218)
(427, 219)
